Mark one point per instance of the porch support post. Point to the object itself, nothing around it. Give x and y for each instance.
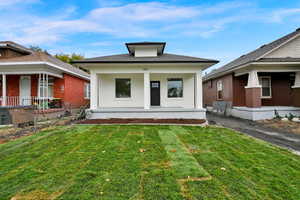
(296, 90)
(253, 91)
(198, 90)
(146, 90)
(94, 91)
(3, 89)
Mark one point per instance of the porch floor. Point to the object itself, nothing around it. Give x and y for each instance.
(141, 109)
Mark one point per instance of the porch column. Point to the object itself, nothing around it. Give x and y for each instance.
(296, 90)
(253, 90)
(146, 90)
(3, 89)
(94, 91)
(198, 90)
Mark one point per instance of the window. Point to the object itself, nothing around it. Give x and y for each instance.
(219, 90)
(123, 88)
(175, 88)
(265, 82)
(87, 91)
(43, 87)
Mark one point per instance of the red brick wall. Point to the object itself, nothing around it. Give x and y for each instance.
(59, 88)
(12, 84)
(210, 90)
(74, 91)
(34, 85)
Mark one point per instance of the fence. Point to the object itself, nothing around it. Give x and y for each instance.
(41, 103)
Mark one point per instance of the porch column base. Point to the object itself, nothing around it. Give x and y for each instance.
(253, 99)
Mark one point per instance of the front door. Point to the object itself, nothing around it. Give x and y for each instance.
(25, 90)
(155, 93)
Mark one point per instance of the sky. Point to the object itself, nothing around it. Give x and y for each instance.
(222, 30)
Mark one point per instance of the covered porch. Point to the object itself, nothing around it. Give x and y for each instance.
(163, 95)
(271, 90)
(28, 89)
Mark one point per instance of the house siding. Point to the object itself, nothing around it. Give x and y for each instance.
(210, 89)
(281, 89)
(290, 49)
(74, 91)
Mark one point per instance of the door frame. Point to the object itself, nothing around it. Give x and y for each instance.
(151, 93)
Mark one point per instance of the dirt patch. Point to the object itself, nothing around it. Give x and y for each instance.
(163, 164)
(286, 126)
(12, 133)
(142, 121)
(37, 195)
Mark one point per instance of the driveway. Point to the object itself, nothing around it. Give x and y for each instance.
(287, 140)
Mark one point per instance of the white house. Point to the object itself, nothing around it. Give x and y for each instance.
(146, 83)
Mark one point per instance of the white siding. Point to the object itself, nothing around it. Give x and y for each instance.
(107, 90)
(145, 51)
(188, 90)
(291, 49)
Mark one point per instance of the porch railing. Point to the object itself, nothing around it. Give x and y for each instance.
(41, 103)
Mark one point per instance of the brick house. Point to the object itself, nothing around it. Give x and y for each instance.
(29, 77)
(260, 83)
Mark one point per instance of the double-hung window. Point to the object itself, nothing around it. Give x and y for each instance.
(175, 88)
(266, 89)
(123, 88)
(87, 90)
(219, 90)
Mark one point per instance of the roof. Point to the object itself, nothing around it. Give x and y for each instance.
(254, 56)
(43, 57)
(132, 44)
(164, 58)
(15, 46)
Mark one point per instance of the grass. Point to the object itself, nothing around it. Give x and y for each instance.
(146, 162)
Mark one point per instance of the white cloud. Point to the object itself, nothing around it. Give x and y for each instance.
(5, 3)
(138, 20)
(279, 15)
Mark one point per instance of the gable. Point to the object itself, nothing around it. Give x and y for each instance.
(290, 49)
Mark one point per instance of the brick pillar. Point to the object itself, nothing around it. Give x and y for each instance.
(253, 99)
(253, 91)
(296, 91)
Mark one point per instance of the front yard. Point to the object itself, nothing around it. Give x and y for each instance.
(145, 162)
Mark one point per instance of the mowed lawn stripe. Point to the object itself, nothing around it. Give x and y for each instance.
(250, 166)
(182, 162)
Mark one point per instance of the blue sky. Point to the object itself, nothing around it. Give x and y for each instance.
(220, 30)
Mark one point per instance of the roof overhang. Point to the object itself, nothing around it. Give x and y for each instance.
(47, 64)
(159, 45)
(254, 64)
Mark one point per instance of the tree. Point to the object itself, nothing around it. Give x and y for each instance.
(37, 49)
(68, 58)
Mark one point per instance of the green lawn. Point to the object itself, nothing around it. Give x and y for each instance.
(146, 162)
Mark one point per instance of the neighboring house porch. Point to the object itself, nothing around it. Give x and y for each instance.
(40, 89)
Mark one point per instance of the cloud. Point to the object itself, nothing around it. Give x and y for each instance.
(135, 20)
(279, 15)
(6, 3)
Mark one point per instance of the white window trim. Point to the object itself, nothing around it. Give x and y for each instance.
(217, 84)
(175, 98)
(122, 98)
(87, 91)
(261, 94)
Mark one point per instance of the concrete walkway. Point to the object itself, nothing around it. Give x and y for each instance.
(287, 140)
